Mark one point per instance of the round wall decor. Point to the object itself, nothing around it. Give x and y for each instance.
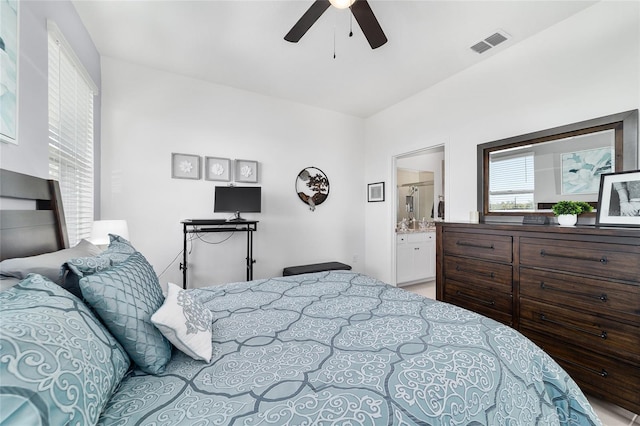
(312, 186)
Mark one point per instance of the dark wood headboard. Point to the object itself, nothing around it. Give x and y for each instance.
(28, 232)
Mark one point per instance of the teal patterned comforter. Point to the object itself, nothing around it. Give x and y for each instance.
(342, 348)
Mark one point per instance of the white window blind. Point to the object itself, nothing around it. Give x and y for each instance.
(71, 93)
(511, 182)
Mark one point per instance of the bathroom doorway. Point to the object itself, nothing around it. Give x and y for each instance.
(418, 194)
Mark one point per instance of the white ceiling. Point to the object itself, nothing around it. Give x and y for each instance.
(240, 43)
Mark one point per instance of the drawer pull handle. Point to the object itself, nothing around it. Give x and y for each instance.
(488, 274)
(602, 260)
(467, 244)
(476, 299)
(602, 334)
(602, 297)
(602, 372)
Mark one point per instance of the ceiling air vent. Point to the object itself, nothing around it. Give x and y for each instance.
(495, 39)
(489, 42)
(481, 47)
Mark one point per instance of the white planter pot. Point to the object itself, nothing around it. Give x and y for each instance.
(567, 219)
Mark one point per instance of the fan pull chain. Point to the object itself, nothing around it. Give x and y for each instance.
(335, 24)
(350, 23)
(334, 42)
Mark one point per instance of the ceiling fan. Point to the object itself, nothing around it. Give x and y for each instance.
(361, 11)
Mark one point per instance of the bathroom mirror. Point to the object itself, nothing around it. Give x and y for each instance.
(527, 174)
(415, 198)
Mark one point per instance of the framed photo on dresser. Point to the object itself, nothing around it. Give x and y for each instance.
(619, 199)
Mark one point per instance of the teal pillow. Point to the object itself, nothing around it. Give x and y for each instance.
(125, 296)
(73, 270)
(119, 249)
(58, 364)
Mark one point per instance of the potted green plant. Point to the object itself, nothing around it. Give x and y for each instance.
(568, 211)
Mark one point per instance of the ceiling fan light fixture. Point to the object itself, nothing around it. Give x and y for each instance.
(342, 4)
(361, 12)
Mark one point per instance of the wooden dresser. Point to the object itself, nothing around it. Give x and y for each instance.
(575, 291)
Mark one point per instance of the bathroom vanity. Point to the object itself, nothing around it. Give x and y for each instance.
(415, 256)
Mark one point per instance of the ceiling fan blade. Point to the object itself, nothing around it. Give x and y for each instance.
(307, 20)
(368, 23)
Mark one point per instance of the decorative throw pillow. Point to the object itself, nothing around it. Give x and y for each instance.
(47, 264)
(77, 268)
(58, 364)
(125, 296)
(73, 270)
(186, 323)
(119, 249)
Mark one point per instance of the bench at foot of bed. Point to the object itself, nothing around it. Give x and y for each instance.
(316, 267)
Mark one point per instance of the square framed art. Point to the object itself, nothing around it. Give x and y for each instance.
(619, 199)
(216, 168)
(375, 192)
(246, 171)
(185, 166)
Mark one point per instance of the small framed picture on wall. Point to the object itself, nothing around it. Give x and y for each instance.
(375, 192)
(216, 168)
(185, 166)
(246, 171)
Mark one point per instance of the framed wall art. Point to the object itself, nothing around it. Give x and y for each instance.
(185, 166)
(9, 54)
(312, 186)
(375, 192)
(216, 168)
(619, 199)
(581, 170)
(246, 171)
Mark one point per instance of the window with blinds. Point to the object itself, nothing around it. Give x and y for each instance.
(511, 182)
(71, 93)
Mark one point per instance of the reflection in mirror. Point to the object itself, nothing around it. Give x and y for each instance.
(415, 195)
(527, 174)
(535, 176)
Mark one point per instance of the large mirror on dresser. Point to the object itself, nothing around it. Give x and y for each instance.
(525, 175)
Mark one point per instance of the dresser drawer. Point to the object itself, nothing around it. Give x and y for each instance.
(599, 259)
(482, 246)
(583, 329)
(478, 273)
(498, 306)
(611, 379)
(592, 295)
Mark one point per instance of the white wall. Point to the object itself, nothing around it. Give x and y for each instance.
(148, 114)
(31, 154)
(584, 67)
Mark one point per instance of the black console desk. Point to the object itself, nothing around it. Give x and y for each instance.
(201, 226)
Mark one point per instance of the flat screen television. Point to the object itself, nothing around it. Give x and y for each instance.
(236, 200)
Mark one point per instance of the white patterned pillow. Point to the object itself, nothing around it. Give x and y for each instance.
(185, 323)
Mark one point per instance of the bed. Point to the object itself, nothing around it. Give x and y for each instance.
(334, 347)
